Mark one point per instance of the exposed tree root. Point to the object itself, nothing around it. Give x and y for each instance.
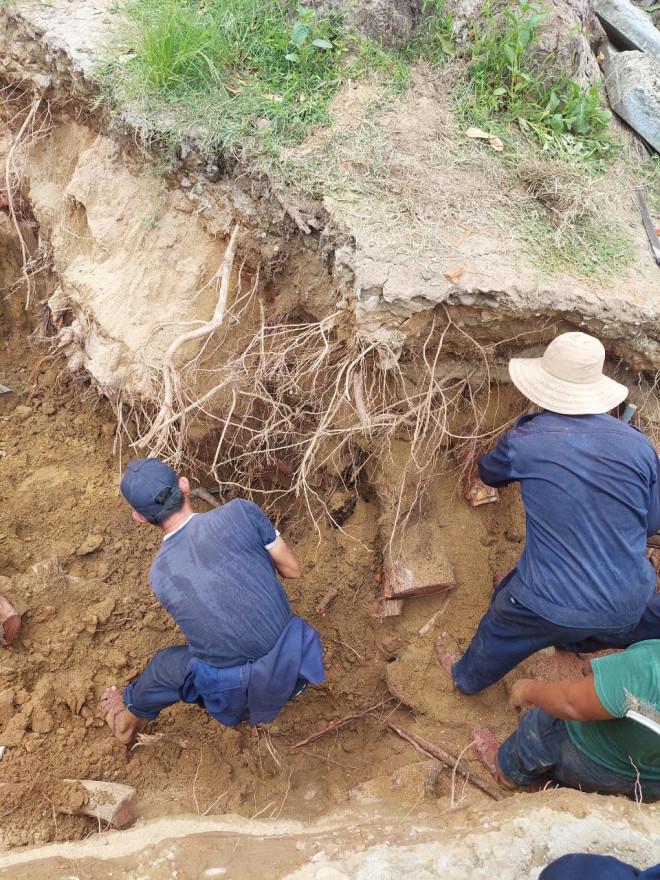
(169, 375)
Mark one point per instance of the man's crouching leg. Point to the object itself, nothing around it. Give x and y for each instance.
(533, 751)
(159, 686)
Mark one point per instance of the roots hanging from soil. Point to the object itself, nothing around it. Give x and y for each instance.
(171, 380)
(31, 129)
(303, 407)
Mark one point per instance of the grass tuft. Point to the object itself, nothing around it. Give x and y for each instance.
(249, 76)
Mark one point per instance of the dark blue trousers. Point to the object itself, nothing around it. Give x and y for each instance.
(165, 681)
(541, 748)
(509, 633)
(580, 866)
(161, 683)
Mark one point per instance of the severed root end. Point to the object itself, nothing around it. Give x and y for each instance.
(11, 628)
(478, 492)
(10, 620)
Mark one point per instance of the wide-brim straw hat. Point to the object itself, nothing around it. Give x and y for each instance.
(569, 378)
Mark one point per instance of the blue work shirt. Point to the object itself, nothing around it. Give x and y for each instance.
(216, 578)
(591, 494)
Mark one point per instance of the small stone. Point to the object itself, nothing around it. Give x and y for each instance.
(48, 408)
(515, 535)
(89, 545)
(21, 413)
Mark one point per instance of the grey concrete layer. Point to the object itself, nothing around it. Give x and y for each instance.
(54, 45)
(510, 840)
(627, 26)
(632, 80)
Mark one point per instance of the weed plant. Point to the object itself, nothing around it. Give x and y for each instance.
(507, 80)
(251, 75)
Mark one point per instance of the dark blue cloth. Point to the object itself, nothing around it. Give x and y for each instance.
(647, 628)
(591, 494)
(218, 581)
(297, 655)
(255, 691)
(510, 632)
(541, 748)
(584, 866)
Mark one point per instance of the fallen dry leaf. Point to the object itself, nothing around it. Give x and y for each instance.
(600, 57)
(477, 133)
(277, 98)
(454, 274)
(657, 228)
(492, 139)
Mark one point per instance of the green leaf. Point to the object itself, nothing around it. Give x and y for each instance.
(446, 46)
(300, 32)
(293, 56)
(510, 54)
(499, 91)
(322, 44)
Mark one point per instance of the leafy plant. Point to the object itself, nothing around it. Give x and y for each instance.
(506, 79)
(305, 40)
(434, 37)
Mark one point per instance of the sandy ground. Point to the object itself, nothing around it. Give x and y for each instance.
(76, 567)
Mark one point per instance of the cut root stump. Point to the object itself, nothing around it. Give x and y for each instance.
(321, 608)
(10, 620)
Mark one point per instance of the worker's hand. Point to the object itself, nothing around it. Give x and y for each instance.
(518, 696)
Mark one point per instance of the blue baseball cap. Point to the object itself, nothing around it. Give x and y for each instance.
(143, 482)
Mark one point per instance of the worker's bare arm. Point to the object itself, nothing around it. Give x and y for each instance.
(568, 700)
(286, 561)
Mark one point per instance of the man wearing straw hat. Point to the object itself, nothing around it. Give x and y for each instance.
(589, 484)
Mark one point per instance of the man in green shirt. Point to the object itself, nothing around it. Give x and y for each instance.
(579, 734)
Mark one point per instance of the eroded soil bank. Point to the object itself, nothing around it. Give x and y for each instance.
(76, 567)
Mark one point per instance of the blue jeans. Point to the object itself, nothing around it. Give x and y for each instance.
(647, 628)
(541, 747)
(509, 633)
(580, 866)
(163, 683)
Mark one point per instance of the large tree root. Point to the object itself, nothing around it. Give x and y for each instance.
(167, 406)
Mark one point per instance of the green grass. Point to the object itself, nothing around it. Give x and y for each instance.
(248, 75)
(591, 248)
(507, 85)
(251, 76)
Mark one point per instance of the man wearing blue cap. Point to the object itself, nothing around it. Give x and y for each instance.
(216, 574)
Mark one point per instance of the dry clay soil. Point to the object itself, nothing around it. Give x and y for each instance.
(75, 566)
